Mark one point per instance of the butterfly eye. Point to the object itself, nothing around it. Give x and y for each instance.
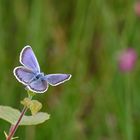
(38, 76)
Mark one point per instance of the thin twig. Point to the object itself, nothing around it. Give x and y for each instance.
(11, 134)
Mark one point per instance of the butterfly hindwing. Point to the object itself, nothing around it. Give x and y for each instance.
(28, 59)
(38, 86)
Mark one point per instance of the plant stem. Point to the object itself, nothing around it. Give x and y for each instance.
(12, 132)
(128, 110)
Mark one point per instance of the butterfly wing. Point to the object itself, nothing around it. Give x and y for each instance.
(38, 86)
(28, 59)
(23, 74)
(56, 79)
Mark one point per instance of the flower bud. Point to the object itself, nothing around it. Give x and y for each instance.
(127, 59)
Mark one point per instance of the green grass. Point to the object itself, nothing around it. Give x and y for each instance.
(83, 38)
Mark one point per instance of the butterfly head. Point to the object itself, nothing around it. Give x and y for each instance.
(39, 75)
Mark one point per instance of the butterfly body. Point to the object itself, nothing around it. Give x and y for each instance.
(29, 74)
(37, 76)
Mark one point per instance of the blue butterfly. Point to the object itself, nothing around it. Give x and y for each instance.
(30, 75)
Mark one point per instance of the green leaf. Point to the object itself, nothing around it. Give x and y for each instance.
(11, 115)
(33, 105)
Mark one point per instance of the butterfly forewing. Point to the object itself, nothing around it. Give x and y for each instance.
(38, 86)
(23, 74)
(28, 59)
(56, 79)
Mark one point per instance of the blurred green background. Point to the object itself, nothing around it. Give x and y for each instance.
(81, 37)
